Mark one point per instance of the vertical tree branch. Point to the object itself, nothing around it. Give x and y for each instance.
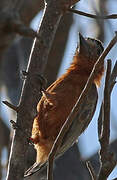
(107, 158)
(106, 123)
(30, 96)
(100, 120)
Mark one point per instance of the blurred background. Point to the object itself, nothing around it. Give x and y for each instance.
(14, 58)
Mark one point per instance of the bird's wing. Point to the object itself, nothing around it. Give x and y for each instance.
(82, 120)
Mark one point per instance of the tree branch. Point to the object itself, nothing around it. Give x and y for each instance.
(100, 120)
(107, 159)
(112, 16)
(15, 108)
(113, 77)
(30, 96)
(106, 123)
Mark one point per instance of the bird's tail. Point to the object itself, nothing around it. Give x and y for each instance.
(34, 168)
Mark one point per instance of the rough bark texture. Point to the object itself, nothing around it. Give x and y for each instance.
(30, 96)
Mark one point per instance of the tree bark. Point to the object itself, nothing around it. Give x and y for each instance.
(30, 96)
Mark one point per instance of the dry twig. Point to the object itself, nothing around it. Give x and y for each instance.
(106, 122)
(112, 16)
(15, 108)
(113, 77)
(100, 120)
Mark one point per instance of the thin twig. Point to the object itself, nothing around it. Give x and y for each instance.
(91, 170)
(23, 30)
(113, 77)
(106, 123)
(76, 108)
(13, 107)
(112, 16)
(100, 120)
(114, 72)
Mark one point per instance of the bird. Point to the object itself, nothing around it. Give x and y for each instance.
(60, 97)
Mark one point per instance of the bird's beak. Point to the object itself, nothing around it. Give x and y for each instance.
(83, 45)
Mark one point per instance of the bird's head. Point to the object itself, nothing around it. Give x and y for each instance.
(87, 53)
(89, 49)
